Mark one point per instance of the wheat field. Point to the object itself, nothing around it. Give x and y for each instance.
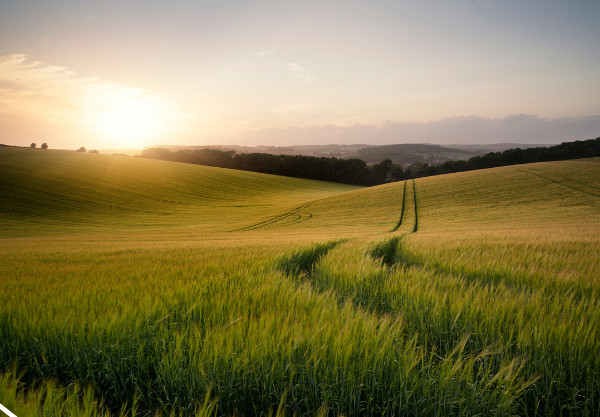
(143, 287)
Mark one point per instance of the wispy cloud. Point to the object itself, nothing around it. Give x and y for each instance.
(202, 111)
(291, 109)
(521, 128)
(263, 53)
(300, 73)
(51, 94)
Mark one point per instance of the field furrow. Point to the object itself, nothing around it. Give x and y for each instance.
(401, 209)
(281, 218)
(582, 188)
(408, 218)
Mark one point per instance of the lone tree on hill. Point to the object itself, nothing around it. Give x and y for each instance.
(33, 145)
(82, 149)
(44, 145)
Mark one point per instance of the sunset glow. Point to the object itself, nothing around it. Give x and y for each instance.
(132, 119)
(275, 73)
(129, 127)
(299, 208)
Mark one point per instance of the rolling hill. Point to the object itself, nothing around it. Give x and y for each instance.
(46, 191)
(407, 153)
(468, 293)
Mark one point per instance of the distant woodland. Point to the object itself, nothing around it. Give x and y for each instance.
(567, 150)
(401, 153)
(346, 171)
(408, 153)
(356, 171)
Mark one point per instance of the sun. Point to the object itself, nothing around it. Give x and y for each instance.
(130, 128)
(128, 125)
(129, 117)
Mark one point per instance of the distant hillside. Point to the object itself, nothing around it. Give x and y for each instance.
(399, 154)
(499, 147)
(329, 151)
(408, 153)
(130, 152)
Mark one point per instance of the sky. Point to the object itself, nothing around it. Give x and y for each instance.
(133, 73)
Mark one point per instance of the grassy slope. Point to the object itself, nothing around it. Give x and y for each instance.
(507, 255)
(66, 192)
(543, 219)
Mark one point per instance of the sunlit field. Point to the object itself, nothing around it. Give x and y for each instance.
(141, 286)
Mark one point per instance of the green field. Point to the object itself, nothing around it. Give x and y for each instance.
(188, 290)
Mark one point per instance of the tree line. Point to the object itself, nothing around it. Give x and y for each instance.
(567, 150)
(356, 171)
(346, 171)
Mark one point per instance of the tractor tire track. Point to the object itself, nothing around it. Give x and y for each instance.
(280, 218)
(405, 208)
(573, 181)
(564, 185)
(416, 227)
(401, 210)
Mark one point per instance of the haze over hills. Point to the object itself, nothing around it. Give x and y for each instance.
(409, 153)
(406, 153)
(499, 147)
(402, 153)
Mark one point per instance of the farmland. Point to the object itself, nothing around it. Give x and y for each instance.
(166, 284)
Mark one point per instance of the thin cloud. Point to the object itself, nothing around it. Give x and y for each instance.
(264, 53)
(300, 73)
(212, 111)
(292, 109)
(80, 105)
(520, 128)
(54, 90)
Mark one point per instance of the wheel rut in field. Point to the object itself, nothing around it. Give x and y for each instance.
(301, 263)
(409, 209)
(577, 182)
(577, 186)
(289, 217)
(304, 261)
(416, 226)
(389, 251)
(401, 210)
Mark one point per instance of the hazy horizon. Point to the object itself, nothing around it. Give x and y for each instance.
(117, 75)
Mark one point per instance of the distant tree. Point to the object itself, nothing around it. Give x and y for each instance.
(93, 151)
(419, 169)
(386, 167)
(44, 145)
(382, 172)
(82, 149)
(397, 173)
(33, 145)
